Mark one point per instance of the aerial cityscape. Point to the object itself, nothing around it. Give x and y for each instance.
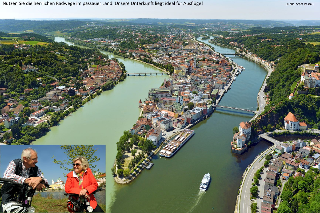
(195, 114)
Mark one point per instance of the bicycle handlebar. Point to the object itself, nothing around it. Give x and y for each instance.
(3, 180)
(97, 190)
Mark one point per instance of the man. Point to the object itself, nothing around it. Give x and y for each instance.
(22, 170)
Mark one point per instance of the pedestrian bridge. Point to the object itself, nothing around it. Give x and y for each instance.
(268, 138)
(236, 108)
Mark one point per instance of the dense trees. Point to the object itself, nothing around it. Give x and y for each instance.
(26, 134)
(287, 74)
(300, 194)
(126, 143)
(73, 151)
(254, 192)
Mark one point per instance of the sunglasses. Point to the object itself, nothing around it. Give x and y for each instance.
(76, 164)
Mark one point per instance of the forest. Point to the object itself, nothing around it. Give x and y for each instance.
(301, 194)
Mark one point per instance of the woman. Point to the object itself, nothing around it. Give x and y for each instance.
(82, 182)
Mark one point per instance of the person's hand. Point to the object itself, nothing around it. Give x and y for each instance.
(33, 181)
(40, 187)
(83, 192)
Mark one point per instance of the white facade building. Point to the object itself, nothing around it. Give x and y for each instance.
(291, 122)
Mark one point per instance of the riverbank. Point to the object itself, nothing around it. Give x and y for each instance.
(251, 169)
(163, 70)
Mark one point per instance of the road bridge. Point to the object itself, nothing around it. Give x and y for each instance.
(230, 54)
(145, 74)
(236, 108)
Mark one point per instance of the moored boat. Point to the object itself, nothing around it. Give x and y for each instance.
(173, 146)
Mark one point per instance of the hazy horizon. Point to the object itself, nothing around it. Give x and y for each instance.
(207, 9)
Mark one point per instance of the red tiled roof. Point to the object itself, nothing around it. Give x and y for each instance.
(290, 117)
(302, 124)
(245, 125)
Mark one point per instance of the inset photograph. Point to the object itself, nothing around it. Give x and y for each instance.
(52, 178)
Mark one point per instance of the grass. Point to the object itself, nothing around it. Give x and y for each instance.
(42, 204)
(128, 159)
(34, 42)
(58, 33)
(8, 38)
(8, 42)
(49, 204)
(23, 42)
(314, 43)
(104, 207)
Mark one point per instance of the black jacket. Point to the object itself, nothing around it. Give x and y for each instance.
(12, 192)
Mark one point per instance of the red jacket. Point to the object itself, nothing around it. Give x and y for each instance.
(89, 183)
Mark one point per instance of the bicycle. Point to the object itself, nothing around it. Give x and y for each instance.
(78, 203)
(22, 203)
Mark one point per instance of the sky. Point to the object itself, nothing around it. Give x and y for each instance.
(206, 9)
(45, 163)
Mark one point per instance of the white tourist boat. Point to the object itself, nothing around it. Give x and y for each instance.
(205, 182)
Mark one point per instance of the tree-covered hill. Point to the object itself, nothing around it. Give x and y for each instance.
(53, 62)
(270, 43)
(286, 74)
(39, 26)
(301, 194)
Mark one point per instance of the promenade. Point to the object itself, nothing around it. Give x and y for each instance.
(243, 203)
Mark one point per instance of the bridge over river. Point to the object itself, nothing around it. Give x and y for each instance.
(230, 54)
(236, 108)
(145, 74)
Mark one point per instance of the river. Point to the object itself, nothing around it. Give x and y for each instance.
(103, 120)
(172, 185)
